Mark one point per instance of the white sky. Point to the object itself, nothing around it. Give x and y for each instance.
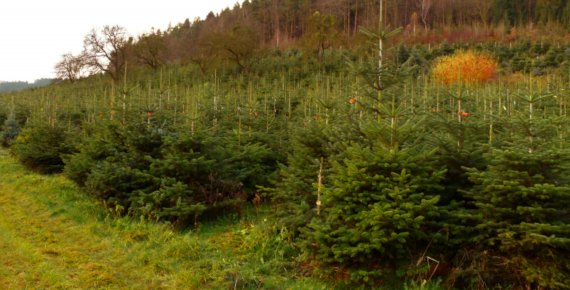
(34, 34)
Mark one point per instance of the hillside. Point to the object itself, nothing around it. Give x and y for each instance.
(231, 152)
(241, 37)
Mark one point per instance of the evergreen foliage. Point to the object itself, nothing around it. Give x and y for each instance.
(378, 174)
(41, 147)
(519, 212)
(160, 174)
(10, 130)
(294, 195)
(521, 218)
(376, 211)
(374, 217)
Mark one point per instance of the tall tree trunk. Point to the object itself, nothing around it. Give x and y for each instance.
(276, 24)
(356, 18)
(380, 42)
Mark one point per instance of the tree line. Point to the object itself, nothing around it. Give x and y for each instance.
(239, 34)
(21, 85)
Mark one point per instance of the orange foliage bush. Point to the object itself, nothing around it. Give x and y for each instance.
(466, 67)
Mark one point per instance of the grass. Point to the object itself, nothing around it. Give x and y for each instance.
(53, 236)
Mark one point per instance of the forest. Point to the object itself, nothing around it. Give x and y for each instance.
(414, 144)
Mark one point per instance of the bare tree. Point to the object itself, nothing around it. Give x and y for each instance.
(483, 8)
(425, 6)
(107, 50)
(414, 22)
(276, 22)
(71, 67)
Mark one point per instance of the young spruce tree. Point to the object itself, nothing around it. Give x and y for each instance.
(382, 192)
(521, 205)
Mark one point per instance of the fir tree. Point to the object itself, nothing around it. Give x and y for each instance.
(520, 207)
(10, 131)
(376, 210)
(294, 196)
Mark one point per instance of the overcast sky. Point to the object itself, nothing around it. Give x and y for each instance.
(35, 33)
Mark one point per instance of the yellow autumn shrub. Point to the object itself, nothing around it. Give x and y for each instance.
(466, 67)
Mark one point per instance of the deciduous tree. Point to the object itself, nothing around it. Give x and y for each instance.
(483, 8)
(107, 50)
(71, 67)
(425, 6)
(151, 49)
(321, 33)
(239, 44)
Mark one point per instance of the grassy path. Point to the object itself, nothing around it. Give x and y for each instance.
(44, 246)
(54, 237)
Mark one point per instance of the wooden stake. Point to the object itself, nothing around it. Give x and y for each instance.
(319, 187)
